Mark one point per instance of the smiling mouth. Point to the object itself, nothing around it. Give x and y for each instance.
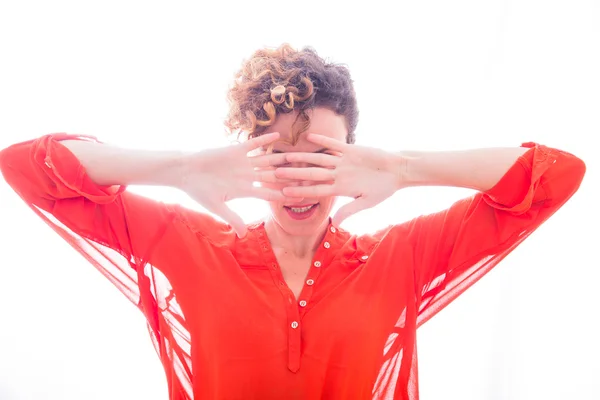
(301, 209)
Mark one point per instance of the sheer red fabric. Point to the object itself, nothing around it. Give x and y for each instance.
(224, 323)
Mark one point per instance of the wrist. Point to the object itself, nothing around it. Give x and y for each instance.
(181, 168)
(406, 167)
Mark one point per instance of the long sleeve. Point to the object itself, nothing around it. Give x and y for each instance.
(111, 227)
(456, 247)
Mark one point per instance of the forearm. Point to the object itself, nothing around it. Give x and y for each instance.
(478, 169)
(110, 165)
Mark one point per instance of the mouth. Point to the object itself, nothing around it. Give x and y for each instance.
(301, 211)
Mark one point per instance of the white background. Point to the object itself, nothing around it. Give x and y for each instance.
(429, 75)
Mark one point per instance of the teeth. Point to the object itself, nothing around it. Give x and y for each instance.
(300, 210)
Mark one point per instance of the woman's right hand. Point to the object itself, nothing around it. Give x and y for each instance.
(213, 177)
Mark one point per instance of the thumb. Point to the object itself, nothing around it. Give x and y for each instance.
(349, 209)
(236, 222)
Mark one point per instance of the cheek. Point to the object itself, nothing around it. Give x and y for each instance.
(327, 203)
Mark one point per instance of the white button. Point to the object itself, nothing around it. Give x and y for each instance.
(47, 165)
(332, 229)
(364, 257)
(327, 245)
(317, 264)
(310, 282)
(294, 325)
(302, 303)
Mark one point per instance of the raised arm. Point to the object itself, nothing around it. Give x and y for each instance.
(519, 189)
(478, 169)
(108, 165)
(53, 167)
(78, 186)
(112, 228)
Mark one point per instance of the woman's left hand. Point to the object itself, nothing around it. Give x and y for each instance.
(366, 174)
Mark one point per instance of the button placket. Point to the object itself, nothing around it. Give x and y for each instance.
(292, 313)
(309, 283)
(315, 271)
(294, 338)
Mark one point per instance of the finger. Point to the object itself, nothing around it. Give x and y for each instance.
(268, 176)
(349, 209)
(309, 191)
(323, 160)
(268, 194)
(330, 143)
(231, 218)
(306, 173)
(294, 200)
(260, 141)
(268, 160)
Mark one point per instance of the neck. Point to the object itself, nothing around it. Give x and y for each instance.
(300, 246)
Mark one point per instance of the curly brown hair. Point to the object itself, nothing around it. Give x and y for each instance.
(281, 80)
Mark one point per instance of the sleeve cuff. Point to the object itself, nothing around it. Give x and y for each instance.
(67, 173)
(520, 187)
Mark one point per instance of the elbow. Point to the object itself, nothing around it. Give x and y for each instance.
(10, 158)
(571, 171)
(21, 174)
(575, 169)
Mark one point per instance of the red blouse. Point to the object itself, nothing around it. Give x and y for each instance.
(221, 316)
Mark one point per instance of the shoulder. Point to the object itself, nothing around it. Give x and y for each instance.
(382, 236)
(202, 224)
(363, 245)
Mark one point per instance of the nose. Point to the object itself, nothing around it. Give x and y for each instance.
(296, 200)
(299, 200)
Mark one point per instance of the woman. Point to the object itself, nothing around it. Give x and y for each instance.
(292, 307)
